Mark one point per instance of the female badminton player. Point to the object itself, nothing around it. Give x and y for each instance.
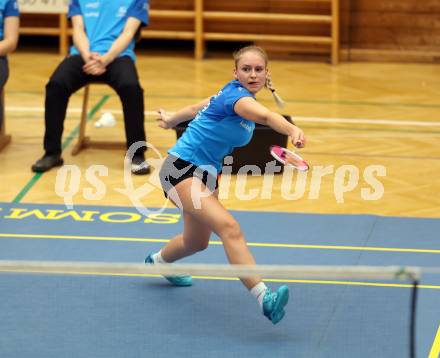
(189, 173)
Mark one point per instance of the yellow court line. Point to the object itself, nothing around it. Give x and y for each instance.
(254, 244)
(435, 350)
(218, 278)
(77, 237)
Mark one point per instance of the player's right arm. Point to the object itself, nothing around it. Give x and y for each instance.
(249, 108)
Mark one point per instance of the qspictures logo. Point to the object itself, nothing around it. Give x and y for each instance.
(291, 186)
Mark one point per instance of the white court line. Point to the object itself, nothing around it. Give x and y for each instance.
(392, 122)
(37, 109)
(388, 122)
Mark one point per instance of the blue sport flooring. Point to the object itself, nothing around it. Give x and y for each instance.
(137, 316)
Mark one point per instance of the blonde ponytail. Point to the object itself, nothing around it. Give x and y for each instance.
(278, 100)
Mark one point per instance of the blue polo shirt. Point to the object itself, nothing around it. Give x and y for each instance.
(104, 21)
(7, 8)
(216, 130)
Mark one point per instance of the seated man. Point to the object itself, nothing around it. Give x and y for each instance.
(104, 38)
(9, 24)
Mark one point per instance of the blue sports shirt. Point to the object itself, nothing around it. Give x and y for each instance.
(7, 8)
(216, 130)
(104, 21)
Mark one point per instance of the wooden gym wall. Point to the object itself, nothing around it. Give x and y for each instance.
(374, 30)
(399, 30)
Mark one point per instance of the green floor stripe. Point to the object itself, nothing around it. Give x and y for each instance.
(65, 144)
(27, 187)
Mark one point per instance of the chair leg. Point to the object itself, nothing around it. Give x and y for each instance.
(82, 139)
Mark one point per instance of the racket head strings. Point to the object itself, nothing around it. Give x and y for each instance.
(289, 158)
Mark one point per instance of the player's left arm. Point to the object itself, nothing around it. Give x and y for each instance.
(249, 108)
(137, 16)
(123, 40)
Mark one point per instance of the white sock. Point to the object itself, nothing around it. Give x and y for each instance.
(158, 259)
(258, 292)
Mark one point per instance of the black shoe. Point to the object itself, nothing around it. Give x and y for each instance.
(46, 162)
(139, 166)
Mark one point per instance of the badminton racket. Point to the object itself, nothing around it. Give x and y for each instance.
(289, 158)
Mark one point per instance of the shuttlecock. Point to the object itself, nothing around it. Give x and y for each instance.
(106, 120)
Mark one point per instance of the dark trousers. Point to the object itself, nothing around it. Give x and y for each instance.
(69, 77)
(4, 74)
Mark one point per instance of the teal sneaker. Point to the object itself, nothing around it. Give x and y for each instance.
(274, 303)
(180, 280)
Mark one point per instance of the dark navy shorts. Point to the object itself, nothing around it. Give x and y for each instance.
(175, 170)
